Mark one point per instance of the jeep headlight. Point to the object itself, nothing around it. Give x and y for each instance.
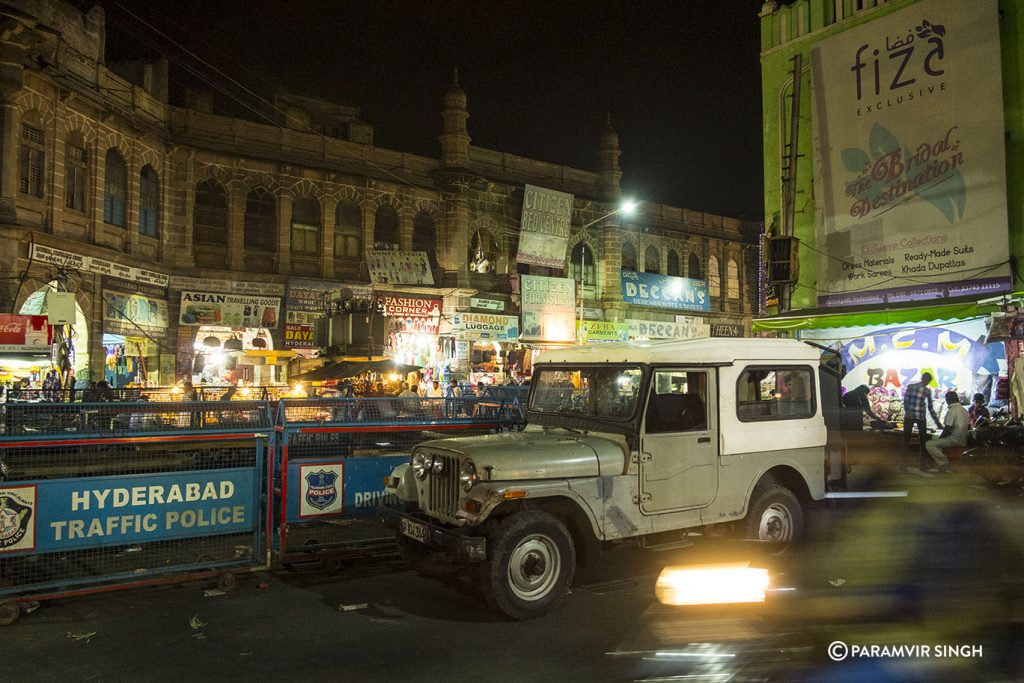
(467, 475)
(437, 467)
(421, 463)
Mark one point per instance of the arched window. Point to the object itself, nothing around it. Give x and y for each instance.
(76, 171)
(483, 253)
(33, 157)
(673, 263)
(260, 220)
(385, 228)
(424, 238)
(628, 256)
(583, 254)
(732, 279)
(694, 267)
(149, 202)
(652, 260)
(714, 277)
(305, 226)
(115, 189)
(210, 214)
(348, 230)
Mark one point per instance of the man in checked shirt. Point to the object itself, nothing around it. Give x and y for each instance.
(917, 405)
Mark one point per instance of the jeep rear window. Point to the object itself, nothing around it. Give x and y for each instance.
(601, 392)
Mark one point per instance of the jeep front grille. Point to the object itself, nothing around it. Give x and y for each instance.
(443, 500)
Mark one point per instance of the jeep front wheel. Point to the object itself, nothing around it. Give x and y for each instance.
(530, 565)
(775, 515)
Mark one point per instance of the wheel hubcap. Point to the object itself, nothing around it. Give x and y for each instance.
(534, 567)
(776, 524)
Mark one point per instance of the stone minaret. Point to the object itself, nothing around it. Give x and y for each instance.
(455, 138)
(610, 173)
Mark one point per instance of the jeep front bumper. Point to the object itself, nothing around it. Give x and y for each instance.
(458, 546)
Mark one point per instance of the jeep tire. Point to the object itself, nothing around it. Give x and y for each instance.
(775, 515)
(530, 564)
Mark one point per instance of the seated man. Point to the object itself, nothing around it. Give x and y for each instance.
(956, 424)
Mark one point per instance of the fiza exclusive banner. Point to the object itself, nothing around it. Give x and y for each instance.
(544, 228)
(910, 156)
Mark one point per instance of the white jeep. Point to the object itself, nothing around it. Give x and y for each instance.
(649, 441)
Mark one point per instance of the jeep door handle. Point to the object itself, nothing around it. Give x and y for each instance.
(704, 439)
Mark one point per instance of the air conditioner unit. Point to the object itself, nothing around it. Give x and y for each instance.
(783, 260)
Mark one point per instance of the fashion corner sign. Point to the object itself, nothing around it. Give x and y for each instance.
(910, 156)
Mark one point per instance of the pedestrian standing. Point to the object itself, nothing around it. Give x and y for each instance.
(917, 405)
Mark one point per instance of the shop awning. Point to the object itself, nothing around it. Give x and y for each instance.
(352, 368)
(817, 318)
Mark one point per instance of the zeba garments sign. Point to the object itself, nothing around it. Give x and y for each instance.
(229, 310)
(544, 228)
(24, 333)
(910, 170)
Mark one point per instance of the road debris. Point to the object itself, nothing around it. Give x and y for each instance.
(196, 623)
(352, 608)
(213, 593)
(81, 636)
(836, 582)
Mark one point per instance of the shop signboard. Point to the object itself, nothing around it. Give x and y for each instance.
(695, 328)
(549, 308)
(406, 305)
(910, 157)
(24, 333)
(487, 304)
(544, 228)
(485, 327)
(203, 307)
(399, 267)
(603, 330)
(131, 308)
(894, 357)
(665, 291)
(726, 330)
(298, 336)
(90, 264)
(228, 286)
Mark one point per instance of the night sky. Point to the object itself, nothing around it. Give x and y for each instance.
(680, 78)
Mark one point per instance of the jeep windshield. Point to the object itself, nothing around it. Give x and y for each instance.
(604, 393)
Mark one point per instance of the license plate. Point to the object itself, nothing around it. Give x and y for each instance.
(421, 532)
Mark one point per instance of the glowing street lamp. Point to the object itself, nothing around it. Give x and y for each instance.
(627, 207)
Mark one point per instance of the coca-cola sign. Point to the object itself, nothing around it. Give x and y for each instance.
(25, 333)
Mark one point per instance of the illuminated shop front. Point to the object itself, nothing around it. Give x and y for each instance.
(413, 333)
(489, 345)
(25, 348)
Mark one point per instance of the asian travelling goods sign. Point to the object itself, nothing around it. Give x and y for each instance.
(485, 326)
(229, 310)
(910, 157)
(399, 267)
(544, 227)
(549, 308)
(665, 291)
(24, 333)
(895, 357)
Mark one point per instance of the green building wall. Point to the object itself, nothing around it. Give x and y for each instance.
(798, 27)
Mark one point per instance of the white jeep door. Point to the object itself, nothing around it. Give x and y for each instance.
(679, 442)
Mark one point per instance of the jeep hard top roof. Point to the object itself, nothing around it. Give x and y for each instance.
(710, 350)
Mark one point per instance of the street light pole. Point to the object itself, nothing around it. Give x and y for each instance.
(627, 207)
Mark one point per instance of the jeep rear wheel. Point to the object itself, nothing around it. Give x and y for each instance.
(530, 565)
(775, 515)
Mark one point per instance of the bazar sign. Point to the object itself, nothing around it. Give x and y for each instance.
(401, 306)
(24, 333)
(665, 291)
(895, 357)
(549, 308)
(472, 326)
(62, 514)
(230, 310)
(544, 231)
(399, 267)
(90, 264)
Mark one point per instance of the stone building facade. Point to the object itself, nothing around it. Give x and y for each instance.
(98, 163)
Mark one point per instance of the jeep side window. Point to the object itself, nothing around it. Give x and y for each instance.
(601, 392)
(777, 393)
(678, 402)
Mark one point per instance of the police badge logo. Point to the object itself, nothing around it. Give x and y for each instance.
(321, 491)
(17, 518)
